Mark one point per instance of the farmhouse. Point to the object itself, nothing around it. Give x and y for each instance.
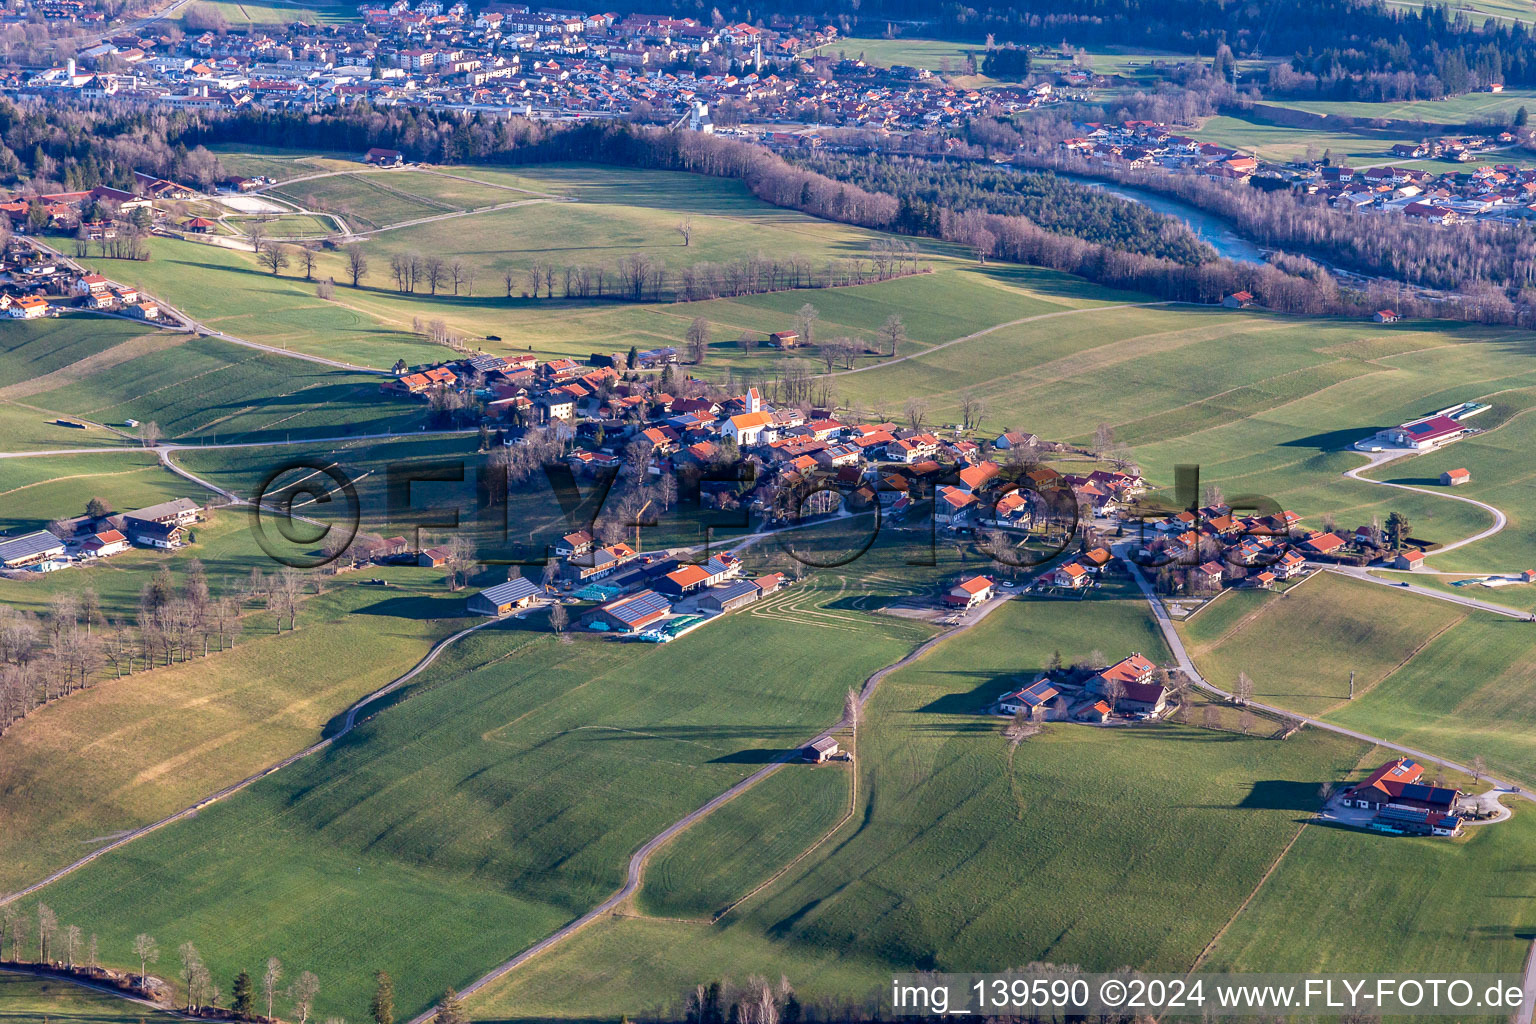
(1238, 300)
(629, 614)
(105, 543)
(1070, 575)
(1036, 696)
(969, 593)
(1015, 439)
(179, 511)
(578, 543)
(784, 339)
(384, 157)
(164, 536)
(1410, 559)
(1395, 787)
(1455, 477)
(1128, 685)
(29, 307)
(503, 598)
(953, 506)
(1385, 316)
(29, 549)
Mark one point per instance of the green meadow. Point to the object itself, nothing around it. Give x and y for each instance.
(1468, 108)
(1428, 674)
(966, 855)
(34, 491)
(25, 1000)
(1345, 901)
(126, 752)
(500, 797)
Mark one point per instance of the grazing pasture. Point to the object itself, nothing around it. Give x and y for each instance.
(25, 1000)
(128, 751)
(36, 491)
(205, 390)
(964, 854)
(1328, 627)
(501, 797)
(1407, 905)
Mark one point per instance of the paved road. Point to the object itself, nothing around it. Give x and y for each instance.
(641, 856)
(1185, 663)
(1363, 573)
(1378, 459)
(95, 987)
(347, 726)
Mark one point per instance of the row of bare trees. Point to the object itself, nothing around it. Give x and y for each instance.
(412, 271)
(68, 948)
(75, 644)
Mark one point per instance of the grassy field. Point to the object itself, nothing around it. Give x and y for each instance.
(25, 1000)
(1407, 905)
(615, 212)
(197, 389)
(128, 751)
(1331, 625)
(241, 14)
(1358, 147)
(34, 491)
(1478, 10)
(1429, 674)
(964, 855)
(743, 844)
(1501, 476)
(500, 799)
(1467, 693)
(1467, 108)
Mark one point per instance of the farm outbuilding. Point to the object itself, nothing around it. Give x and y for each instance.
(821, 750)
(504, 598)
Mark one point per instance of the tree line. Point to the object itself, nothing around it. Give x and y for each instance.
(1470, 256)
(924, 187)
(75, 644)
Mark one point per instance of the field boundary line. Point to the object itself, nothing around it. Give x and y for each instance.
(348, 724)
(1187, 665)
(998, 327)
(1395, 669)
(1210, 947)
(853, 807)
(638, 860)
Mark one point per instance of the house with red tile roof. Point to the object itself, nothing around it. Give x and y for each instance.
(970, 592)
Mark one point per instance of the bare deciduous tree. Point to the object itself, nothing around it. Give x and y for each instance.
(148, 951)
(303, 991)
(269, 979)
(357, 264)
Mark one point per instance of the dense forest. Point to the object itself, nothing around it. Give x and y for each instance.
(925, 187)
(1437, 256)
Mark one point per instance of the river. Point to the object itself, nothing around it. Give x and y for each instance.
(1211, 230)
